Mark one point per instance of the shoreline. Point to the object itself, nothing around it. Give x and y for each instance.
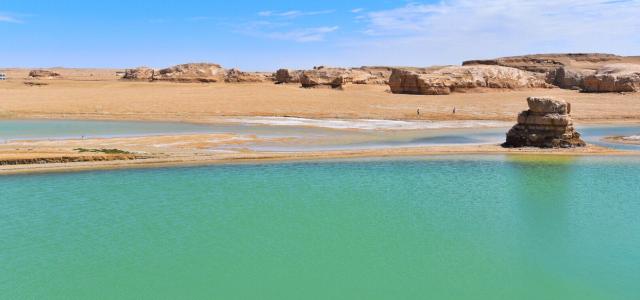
(220, 119)
(283, 157)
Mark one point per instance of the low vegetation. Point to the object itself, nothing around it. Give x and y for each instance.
(105, 151)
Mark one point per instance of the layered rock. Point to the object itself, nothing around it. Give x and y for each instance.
(237, 76)
(614, 78)
(141, 73)
(43, 74)
(446, 80)
(287, 76)
(569, 77)
(324, 77)
(545, 63)
(570, 70)
(546, 124)
(371, 75)
(195, 72)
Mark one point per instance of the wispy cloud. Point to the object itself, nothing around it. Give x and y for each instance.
(294, 13)
(286, 31)
(357, 10)
(199, 19)
(7, 18)
(451, 30)
(289, 26)
(303, 35)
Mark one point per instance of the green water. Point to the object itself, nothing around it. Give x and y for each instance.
(486, 227)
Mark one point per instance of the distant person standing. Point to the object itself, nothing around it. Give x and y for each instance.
(454, 110)
(418, 111)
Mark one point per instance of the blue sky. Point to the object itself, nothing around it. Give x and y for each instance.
(265, 35)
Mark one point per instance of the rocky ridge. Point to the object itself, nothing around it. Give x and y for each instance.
(445, 80)
(571, 70)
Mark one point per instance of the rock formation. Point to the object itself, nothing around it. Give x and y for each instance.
(569, 77)
(324, 77)
(371, 75)
(443, 81)
(320, 76)
(141, 73)
(544, 63)
(569, 71)
(195, 72)
(287, 76)
(237, 76)
(614, 78)
(546, 124)
(43, 74)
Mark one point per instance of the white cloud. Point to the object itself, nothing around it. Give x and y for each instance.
(279, 25)
(9, 19)
(294, 13)
(357, 10)
(314, 34)
(454, 30)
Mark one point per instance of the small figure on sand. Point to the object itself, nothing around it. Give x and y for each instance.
(418, 111)
(454, 110)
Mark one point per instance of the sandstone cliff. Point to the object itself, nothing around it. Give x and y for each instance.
(140, 73)
(287, 76)
(194, 72)
(445, 80)
(237, 76)
(43, 74)
(546, 124)
(324, 77)
(567, 71)
(614, 78)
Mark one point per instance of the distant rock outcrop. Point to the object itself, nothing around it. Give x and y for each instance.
(546, 124)
(141, 73)
(446, 80)
(371, 75)
(571, 70)
(324, 77)
(569, 77)
(287, 76)
(614, 78)
(43, 74)
(237, 76)
(544, 63)
(194, 72)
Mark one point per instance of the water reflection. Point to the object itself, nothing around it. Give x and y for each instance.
(541, 193)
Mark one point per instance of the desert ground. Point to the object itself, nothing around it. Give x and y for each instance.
(99, 94)
(103, 96)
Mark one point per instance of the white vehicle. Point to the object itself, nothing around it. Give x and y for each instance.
(3, 76)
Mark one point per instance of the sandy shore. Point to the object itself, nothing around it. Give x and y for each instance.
(155, 151)
(98, 95)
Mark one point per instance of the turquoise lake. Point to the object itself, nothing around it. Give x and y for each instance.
(444, 227)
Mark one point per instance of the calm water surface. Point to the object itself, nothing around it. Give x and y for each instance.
(479, 227)
(306, 138)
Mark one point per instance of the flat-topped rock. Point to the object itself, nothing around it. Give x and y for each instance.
(194, 72)
(140, 73)
(445, 80)
(548, 105)
(287, 76)
(622, 77)
(237, 76)
(323, 77)
(546, 124)
(43, 74)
